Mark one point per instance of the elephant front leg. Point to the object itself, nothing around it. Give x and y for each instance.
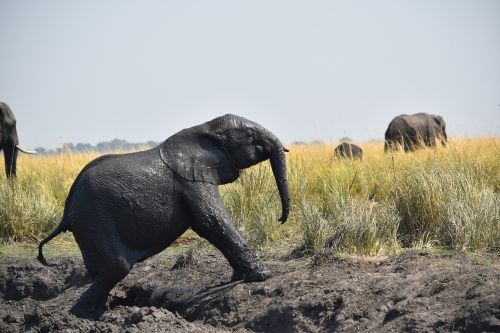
(212, 222)
(10, 156)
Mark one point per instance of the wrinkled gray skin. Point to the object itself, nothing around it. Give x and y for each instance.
(414, 131)
(348, 150)
(9, 142)
(125, 208)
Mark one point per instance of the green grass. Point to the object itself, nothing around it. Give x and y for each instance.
(446, 198)
(62, 245)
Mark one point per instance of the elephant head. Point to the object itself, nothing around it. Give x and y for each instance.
(442, 129)
(215, 152)
(9, 141)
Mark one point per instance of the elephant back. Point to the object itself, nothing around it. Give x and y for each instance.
(348, 150)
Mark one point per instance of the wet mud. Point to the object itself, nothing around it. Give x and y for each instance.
(410, 292)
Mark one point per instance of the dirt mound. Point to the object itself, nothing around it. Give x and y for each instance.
(412, 292)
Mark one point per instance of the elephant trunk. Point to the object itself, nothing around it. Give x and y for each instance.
(444, 139)
(278, 165)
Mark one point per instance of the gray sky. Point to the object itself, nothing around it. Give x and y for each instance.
(90, 71)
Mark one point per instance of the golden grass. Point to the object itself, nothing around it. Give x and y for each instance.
(447, 197)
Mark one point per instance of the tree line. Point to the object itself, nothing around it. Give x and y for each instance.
(101, 147)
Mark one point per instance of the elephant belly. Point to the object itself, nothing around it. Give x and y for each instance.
(150, 222)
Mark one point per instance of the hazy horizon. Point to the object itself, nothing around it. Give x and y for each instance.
(94, 71)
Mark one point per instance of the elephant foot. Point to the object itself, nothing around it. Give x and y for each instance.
(88, 312)
(92, 303)
(257, 272)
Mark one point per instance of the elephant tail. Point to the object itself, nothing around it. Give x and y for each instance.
(62, 227)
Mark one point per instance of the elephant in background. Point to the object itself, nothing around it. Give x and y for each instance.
(414, 131)
(9, 141)
(348, 150)
(125, 208)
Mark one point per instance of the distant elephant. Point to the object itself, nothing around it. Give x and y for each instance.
(9, 141)
(122, 209)
(413, 131)
(348, 150)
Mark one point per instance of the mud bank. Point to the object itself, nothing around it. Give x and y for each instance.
(411, 292)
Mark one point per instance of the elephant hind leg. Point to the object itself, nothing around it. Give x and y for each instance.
(107, 262)
(92, 303)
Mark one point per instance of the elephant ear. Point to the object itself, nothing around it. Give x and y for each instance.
(440, 121)
(198, 157)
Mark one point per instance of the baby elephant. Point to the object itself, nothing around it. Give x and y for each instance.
(125, 208)
(348, 150)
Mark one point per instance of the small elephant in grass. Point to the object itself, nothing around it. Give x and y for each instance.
(125, 208)
(414, 131)
(348, 150)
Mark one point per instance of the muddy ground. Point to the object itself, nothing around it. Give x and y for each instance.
(411, 292)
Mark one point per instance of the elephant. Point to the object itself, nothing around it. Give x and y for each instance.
(125, 208)
(9, 141)
(348, 150)
(414, 131)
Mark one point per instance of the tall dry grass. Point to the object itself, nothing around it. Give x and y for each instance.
(32, 204)
(447, 197)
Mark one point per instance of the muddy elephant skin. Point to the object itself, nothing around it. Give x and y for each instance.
(125, 208)
(415, 131)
